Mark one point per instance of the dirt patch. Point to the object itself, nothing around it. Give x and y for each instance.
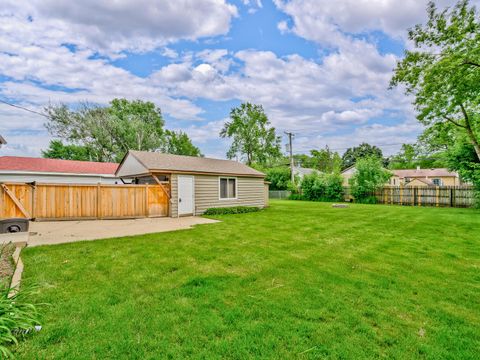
(7, 266)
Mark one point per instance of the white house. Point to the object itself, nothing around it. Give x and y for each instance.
(30, 169)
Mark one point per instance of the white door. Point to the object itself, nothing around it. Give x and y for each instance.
(185, 195)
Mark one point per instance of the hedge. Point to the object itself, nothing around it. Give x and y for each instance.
(231, 210)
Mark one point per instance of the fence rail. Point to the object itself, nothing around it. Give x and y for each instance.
(445, 196)
(80, 201)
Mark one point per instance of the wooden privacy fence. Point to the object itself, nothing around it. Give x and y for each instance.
(449, 196)
(79, 201)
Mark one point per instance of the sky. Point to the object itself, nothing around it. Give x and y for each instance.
(320, 68)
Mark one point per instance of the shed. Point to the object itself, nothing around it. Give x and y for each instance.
(195, 184)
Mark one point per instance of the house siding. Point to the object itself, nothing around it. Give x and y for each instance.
(250, 192)
(174, 195)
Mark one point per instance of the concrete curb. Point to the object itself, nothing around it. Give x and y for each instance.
(17, 274)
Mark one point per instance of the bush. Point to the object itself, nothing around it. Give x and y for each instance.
(231, 210)
(322, 187)
(279, 178)
(368, 178)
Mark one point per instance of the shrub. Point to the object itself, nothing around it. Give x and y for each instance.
(278, 177)
(369, 177)
(322, 187)
(231, 210)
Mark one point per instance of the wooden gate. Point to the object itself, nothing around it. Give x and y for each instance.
(79, 201)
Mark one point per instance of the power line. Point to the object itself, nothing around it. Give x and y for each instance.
(346, 148)
(23, 108)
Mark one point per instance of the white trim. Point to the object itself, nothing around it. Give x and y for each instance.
(178, 194)
(220, 191)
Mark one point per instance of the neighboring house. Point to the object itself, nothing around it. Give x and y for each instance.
(425, 177)
(30, 169)
(414, 177)
(197, 183)
(347, 174)
(301, 172)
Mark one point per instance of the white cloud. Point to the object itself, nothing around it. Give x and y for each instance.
(327, 22)
(110, 27)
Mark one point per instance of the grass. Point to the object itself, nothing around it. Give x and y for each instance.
(299, 280)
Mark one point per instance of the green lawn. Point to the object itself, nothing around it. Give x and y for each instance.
(299, 280)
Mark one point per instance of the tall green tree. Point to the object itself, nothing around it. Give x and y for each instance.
(368, 177)
(326, 160)
(178, 142)
(442, 72)
(253, 138)
(352, 155)
(58, 150)
(108, 132)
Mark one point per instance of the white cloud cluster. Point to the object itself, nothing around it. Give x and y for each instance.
(327, 22)
(110, 27)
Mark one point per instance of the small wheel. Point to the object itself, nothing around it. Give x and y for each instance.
(13, 229)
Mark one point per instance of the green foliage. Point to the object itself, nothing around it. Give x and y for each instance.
(411, 156)
(322, 187)
(109, 132)
(58, 150)
(180, 144)
(324, 160)
(231, 210)
(352, 155)
(253, 138)
(18, 317)
(369, 176)
(279, 178)
(462, 158)
(442, 72)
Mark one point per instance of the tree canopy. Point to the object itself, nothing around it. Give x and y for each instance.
(58, 150)
(442, 72)
(109, 132)
(352, 155)
(254, 140)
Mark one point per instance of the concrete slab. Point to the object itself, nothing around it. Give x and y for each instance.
(19, 239)
(58, 232)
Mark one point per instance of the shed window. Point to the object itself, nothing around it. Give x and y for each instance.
(437, 182)
(228, 188)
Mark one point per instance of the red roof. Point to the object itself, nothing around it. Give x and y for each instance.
(18, 163)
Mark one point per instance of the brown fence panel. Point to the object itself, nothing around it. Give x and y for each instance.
(446, 196)
(15, 200)
(79, 201)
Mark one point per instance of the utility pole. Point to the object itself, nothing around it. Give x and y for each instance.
(290, 148)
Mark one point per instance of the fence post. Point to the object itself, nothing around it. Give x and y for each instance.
(437, 195)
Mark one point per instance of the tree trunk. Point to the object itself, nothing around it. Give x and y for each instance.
(470, 133)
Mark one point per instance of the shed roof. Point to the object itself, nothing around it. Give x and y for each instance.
(32, 164)
(159, 162)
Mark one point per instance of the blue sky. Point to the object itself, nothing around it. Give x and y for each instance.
(320, 68)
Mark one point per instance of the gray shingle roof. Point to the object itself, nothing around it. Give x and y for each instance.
(155, 161)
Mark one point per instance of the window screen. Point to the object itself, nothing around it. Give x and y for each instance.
(228, 188)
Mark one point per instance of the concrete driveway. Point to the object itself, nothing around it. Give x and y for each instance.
(58, 232)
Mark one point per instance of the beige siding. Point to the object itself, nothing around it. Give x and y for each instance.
(174, 196)
(250, 192)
